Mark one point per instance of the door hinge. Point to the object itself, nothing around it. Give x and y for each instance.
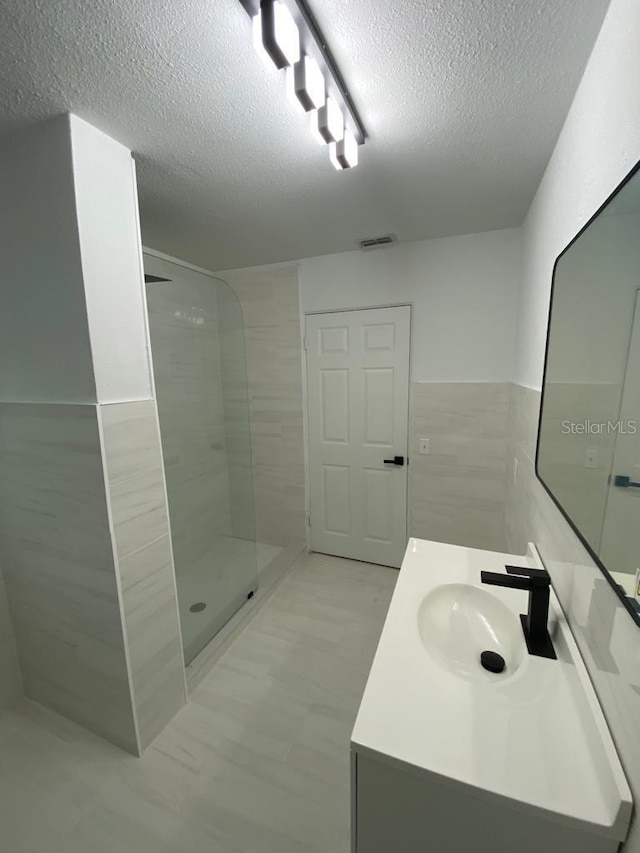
(309, 518)
(304, 342)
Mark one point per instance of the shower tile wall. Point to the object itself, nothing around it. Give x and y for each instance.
(457, 491)
(233, 375)
(197, 341)
(133, 460)
(10, 677)
(186, 357)
(58, 566)
(271, 308)
(87, 566)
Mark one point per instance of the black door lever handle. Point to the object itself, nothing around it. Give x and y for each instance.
(624, 482)
(397, 460)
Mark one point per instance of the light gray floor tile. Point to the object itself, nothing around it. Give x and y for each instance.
(257, 762)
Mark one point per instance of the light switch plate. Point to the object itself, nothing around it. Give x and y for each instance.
(425, 445)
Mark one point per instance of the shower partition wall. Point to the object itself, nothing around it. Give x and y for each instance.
(197, 342)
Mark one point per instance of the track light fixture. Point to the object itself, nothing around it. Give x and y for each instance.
(331, 122)
(309, 84)
(347, 151)
(286, 35)
(280, 35)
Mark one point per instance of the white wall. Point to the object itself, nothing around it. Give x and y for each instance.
(464, 292)
(73, 318)
(109, 233)
(599, 144)
(45, 351)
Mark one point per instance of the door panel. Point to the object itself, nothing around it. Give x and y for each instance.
(334, 339)
(378, 491)
(336, 500)
(378, 402)
(358, 381)
(335, 406)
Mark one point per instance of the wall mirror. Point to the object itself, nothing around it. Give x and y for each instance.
(588, 454)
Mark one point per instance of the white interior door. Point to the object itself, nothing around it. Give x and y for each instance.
(358, 389)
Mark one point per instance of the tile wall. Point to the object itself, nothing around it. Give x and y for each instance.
(186, 360)
(143, 550)
(271, 308)
(605, 633)
(11, 687)
(88, 567)
(59, 566)
(457, 491)
(583, 488)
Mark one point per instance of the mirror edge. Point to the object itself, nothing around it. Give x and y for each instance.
(626, 601)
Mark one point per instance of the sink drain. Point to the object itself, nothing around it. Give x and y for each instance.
(198, 607)
(492, 661)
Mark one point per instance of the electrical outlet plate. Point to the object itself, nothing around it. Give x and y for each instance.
(591, 458)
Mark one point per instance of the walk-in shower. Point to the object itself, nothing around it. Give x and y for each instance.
(197, 342)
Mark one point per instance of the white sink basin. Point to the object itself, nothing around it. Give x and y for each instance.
(457, 622)
(532, 737)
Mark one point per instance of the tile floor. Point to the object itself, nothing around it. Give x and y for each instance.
(257, 762)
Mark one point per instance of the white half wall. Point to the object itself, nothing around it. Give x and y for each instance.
(45, 352)
(464, 293)
(109, 235)
(73, 320)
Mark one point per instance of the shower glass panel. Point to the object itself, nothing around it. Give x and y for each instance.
(197, 343)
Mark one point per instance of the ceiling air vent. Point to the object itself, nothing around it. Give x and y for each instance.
(378, 242)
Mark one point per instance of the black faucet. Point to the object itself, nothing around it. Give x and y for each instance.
(534, 623)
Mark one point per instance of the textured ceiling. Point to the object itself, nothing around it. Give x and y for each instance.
(462, 100)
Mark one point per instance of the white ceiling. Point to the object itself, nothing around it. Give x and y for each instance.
(462, 100)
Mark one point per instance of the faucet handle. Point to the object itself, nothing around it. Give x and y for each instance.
(539, 577)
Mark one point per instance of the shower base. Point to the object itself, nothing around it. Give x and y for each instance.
(212, 579)
(269, 579)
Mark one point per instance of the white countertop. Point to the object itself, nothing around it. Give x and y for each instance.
(536, 738)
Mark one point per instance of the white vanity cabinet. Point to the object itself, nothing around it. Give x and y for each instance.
(450, 758)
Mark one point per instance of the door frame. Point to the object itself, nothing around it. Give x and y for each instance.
(305, 404)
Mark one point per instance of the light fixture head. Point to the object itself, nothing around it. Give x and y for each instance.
(286, 36)
(309, 83)
(331, 121)
(344, 154)
(256, 32)
(347, 150)
(313, 124)
(280, 35)
(291, 89)
(333, 156)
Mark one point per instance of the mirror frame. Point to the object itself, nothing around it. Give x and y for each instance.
(626, 601)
